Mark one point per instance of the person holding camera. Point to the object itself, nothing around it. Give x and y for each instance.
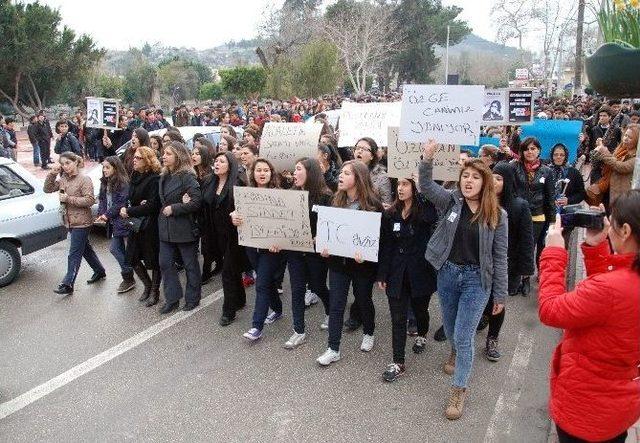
(76, 199)
(595, 379)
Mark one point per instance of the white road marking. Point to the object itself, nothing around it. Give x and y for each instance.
(510, 394)
(14, 405)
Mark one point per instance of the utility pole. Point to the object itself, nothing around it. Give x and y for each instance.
(446, 60)
(577, 79)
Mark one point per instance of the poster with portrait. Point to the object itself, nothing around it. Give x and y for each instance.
(495, 107)
(102, 113)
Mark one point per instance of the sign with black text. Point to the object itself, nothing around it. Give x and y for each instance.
(102, 113)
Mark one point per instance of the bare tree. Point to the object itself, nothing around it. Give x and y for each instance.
(577, 79)
(366, 35)
(513, 19)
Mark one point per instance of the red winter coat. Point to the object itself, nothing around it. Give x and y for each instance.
(595, 384)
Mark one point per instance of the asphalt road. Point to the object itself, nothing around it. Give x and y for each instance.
(99, 366)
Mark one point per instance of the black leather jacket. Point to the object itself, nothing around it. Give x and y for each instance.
(538, 192)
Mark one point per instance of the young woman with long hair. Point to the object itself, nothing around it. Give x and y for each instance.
(266, 262)
(114, 191)
(76, 199)
(308, 268)
(139, 137)
(595, 393)
(178, 228)
(469, 251)
(330, 164)
(403, 273)
(355, 191)
(143, 244)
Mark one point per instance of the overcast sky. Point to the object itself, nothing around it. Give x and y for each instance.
(200, 24)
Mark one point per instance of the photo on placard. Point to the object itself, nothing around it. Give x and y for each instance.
(94, 109)
(494, 107)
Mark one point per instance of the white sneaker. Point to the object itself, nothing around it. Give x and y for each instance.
(367, 343)
(295, 340)
(328, 357)
(310, 298)
(325, 323)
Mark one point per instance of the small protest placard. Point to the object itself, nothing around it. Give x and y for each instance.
(102, 113)
(284, 143)
(343, 232)
(446, 113)
(445, 163)
(495, 109)
(273, 217)
(359, 120)
(520, 106)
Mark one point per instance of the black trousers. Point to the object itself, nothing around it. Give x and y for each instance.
(398, 308)
(564, 437)
(235, 297)
(495, 321)
(539, 233)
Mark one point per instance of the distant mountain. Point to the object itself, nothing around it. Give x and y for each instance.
(473, 44)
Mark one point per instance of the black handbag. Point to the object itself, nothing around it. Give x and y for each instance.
(137, 224)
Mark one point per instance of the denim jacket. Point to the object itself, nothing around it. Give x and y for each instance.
(493, 243)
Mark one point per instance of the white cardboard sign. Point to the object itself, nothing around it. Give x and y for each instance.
(284, 143)
(343, 232)
(449, 114)
(273, 217)
(102, 113)
(359, 120)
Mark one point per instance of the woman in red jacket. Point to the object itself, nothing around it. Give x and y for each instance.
(595, 379)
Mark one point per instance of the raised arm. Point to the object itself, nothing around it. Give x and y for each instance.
(435, 193)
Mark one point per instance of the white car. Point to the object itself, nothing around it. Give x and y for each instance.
(29, 219)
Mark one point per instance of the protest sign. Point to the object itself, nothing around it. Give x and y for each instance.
(520, 107)
(284, 143)
(343, 232)
(448, 114)
(495, 107)
(102, 113)
(273, 217)
(522, 74)
(403, 159)
(359, 120)
(551, 132)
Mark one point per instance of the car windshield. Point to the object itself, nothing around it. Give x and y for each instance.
(11, 185)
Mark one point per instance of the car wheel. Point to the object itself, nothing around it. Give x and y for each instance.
(9, 262)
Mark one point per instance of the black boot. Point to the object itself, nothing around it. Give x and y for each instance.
(96, 277)
(127, 283)
(440, 335)
(142, 274)
(155, 288)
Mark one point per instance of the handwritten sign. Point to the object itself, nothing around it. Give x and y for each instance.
(403, 159)
(273, 217)
(448, 114)
(284, 143)
(102, 113)
(359, 120)
(343, 232)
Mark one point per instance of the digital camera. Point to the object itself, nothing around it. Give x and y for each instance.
(576, 216)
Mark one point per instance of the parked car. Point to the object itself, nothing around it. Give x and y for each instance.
(29, 219)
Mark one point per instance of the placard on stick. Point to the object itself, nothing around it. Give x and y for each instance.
(273, 217)
(403, 159)
(102, 113)
(343, 232)
(284, 143)
(359, 120)
(445, 113)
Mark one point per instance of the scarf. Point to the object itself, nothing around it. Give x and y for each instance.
(531, 168)
(621, 154)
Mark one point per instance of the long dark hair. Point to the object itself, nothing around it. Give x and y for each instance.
(416, 208)
(206, 160)
(143, 136)
(314, 183)
(626, 209)
(118, 180)
(273, 181)
(332, 153)
(367, 197)
(232, 175)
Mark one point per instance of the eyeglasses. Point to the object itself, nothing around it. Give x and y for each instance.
(361, 148)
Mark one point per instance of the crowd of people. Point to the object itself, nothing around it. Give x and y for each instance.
(474, 242)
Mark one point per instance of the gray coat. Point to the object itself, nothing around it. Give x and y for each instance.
(493, 243)
(182, 225)
(381, 183)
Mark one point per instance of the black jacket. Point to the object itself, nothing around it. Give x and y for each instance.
(538, 192)
(575, 188)
(331, 177)
(402, 248)
(32, 133)
(181, 226)
(68, 143)
(144, 245)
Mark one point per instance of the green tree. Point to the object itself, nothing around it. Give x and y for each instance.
(210, 91)
(425, 25)
(317, 69)
(280, 80)
(139, 81)
(244, 81)
(40, 59)
(179, 80)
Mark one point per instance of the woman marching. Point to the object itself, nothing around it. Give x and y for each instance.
(76, 199)
(403, 272)
(143, 244)
(266, 262)
(114, 190)
(177, 227)
(355, 191)
(469, 250)
(308, 268)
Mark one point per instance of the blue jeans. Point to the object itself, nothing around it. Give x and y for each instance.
(79, 249)
(339, 283)
(171, 283)
(462, 301)
(36, 154)
(267, 266)
(306, 269)
(117, 247)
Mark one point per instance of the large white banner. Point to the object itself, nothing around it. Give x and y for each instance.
(448, 114)
(343, 232)
(284, 143)
(359, 120)
(273, 217)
